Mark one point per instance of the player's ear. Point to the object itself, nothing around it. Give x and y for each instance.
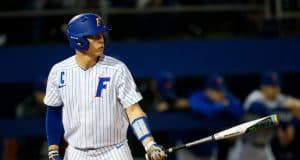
(79, 43)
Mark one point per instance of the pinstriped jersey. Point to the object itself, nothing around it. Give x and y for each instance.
(93, 101)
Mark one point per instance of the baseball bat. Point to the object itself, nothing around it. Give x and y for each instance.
(247, 127)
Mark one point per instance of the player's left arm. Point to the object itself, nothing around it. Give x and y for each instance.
(140, 127)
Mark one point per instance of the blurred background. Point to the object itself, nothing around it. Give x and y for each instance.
(201, 65)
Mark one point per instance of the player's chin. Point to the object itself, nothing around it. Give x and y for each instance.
(101, 50)
(99, 53)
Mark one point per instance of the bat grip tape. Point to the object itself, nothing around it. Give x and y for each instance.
(170, 150)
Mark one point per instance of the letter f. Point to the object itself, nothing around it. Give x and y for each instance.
(101, 85)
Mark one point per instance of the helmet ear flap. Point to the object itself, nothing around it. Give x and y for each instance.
(78, 43)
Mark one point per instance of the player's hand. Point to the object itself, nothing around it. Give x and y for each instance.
(291, 103)
(156, 152)
(53, 155)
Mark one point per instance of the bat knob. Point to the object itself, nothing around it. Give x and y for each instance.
(275, 119)
(146, 156)
(170, 150)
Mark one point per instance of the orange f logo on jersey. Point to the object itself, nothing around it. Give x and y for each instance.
(98, 21)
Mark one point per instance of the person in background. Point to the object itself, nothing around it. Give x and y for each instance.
(215, 102)
(267, 100)
(32, 107)
(164, 93)
(164, 100)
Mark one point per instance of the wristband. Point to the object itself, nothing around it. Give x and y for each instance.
(53, 153)
(140, 128)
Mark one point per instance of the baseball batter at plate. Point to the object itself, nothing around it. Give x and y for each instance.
(92, 98)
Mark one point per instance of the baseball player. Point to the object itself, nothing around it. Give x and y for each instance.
(214, 102)
(93, 98)
(266, 100)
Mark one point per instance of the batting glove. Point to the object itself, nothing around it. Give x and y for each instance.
(155, 152)
(53, 155)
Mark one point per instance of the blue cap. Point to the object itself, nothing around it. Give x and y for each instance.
(167, 92)
(163, 77)
(40, 85)
(270, 78)
(215, 82)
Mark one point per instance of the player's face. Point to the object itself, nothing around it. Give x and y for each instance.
(96, 44)
(270, 92)
(215, 95)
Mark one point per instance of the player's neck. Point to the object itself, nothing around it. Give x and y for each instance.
(85, 61)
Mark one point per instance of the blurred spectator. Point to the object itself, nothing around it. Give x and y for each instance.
(28, 147)
(165, 99)
(32, 107)
(163, 89)
(215, 102)
(265, 101)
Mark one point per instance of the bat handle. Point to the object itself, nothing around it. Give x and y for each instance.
(187, 145)
(172, 149)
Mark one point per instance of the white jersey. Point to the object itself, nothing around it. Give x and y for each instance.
(93, 101)
(257, 96)
(273, 107)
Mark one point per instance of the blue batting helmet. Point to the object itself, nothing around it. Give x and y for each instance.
(82, 25)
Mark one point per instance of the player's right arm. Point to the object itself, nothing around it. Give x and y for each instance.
(54, 104)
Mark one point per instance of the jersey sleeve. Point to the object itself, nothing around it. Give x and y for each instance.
(251, 98)
(52, 97)
(127, 91)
